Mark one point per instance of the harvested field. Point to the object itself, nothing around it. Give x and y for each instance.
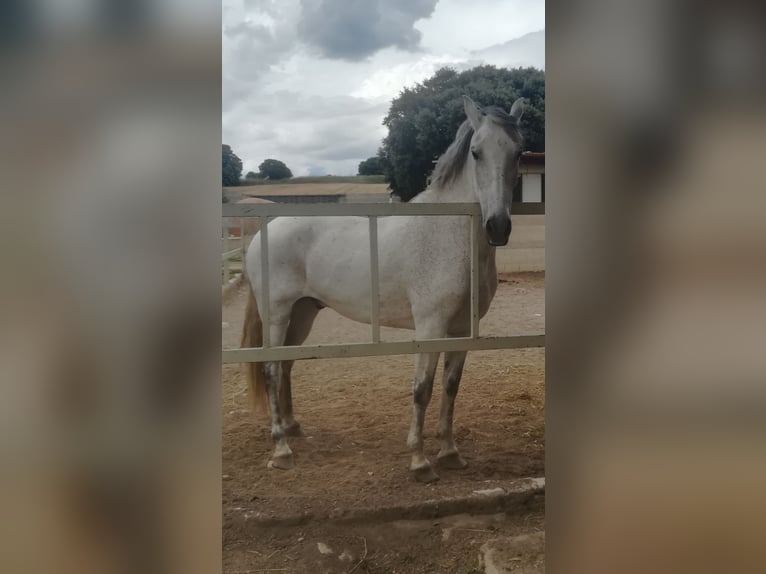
(311, 188)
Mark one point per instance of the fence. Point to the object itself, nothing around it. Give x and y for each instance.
(375, 347)
(227, 253)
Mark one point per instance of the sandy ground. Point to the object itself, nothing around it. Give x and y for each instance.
(356, 414)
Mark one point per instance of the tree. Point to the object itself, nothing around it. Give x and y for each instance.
(422, 121)
(252, 175)
(231, 167)
(274, 169)
(371, 166)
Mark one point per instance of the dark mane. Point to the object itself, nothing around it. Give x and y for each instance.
(452, 161)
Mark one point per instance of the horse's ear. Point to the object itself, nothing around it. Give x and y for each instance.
(472, 111)
(517, 109)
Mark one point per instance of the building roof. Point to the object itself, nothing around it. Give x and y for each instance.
(532, 158)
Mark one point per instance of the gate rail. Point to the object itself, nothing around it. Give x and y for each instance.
(376, 347)
(228, 254)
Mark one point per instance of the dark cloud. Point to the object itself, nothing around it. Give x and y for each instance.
(355, 29)
(253, 48)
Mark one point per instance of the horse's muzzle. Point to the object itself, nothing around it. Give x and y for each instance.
(498, 228)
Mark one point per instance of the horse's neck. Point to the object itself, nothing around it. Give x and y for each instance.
(460, 190)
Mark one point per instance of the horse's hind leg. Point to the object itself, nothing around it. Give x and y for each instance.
(448, 456)
(291, 426)
(301, 320)
(283, 456)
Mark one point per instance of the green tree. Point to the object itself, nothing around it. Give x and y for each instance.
(231, 167)
(252, 175)
(422, 121)
(371, 166)
(274, 169)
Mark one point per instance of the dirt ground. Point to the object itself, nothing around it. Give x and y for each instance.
(356, 413)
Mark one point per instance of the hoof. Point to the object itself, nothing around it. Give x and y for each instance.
(294, 430)
(451, 460)
(283, 462)
(424, 473)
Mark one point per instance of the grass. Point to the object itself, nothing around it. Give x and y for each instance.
(318, 179)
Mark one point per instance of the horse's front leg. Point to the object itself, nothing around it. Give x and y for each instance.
(448, 456)
(422, 386)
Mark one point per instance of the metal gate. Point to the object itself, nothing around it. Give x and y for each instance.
(375, 347)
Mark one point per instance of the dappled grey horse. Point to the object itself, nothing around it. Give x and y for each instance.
(424, 264)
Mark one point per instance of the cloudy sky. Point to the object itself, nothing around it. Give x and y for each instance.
(309, 81)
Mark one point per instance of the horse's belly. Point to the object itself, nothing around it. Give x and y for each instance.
(395, 316)
(355, 304)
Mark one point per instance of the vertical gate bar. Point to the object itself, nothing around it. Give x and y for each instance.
(242, 243)
(265, 312)
(225, 232)
(374, 280)
(475, 231)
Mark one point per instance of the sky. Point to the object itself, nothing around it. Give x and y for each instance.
(309, 82)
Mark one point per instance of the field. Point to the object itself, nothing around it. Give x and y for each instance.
(356, 179)
(352, 185)
(350, 504)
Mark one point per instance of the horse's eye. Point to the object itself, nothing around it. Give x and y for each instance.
(475, 154)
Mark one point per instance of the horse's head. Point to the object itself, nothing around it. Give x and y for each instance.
(493, 160)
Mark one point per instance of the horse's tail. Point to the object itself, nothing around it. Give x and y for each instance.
(252, 336)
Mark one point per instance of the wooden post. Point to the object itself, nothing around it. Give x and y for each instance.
(374, 280)
(226, 270)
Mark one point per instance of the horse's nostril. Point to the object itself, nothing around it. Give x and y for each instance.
(498, 226)
(498, 230)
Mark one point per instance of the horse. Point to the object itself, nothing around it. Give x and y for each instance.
(424, 271)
